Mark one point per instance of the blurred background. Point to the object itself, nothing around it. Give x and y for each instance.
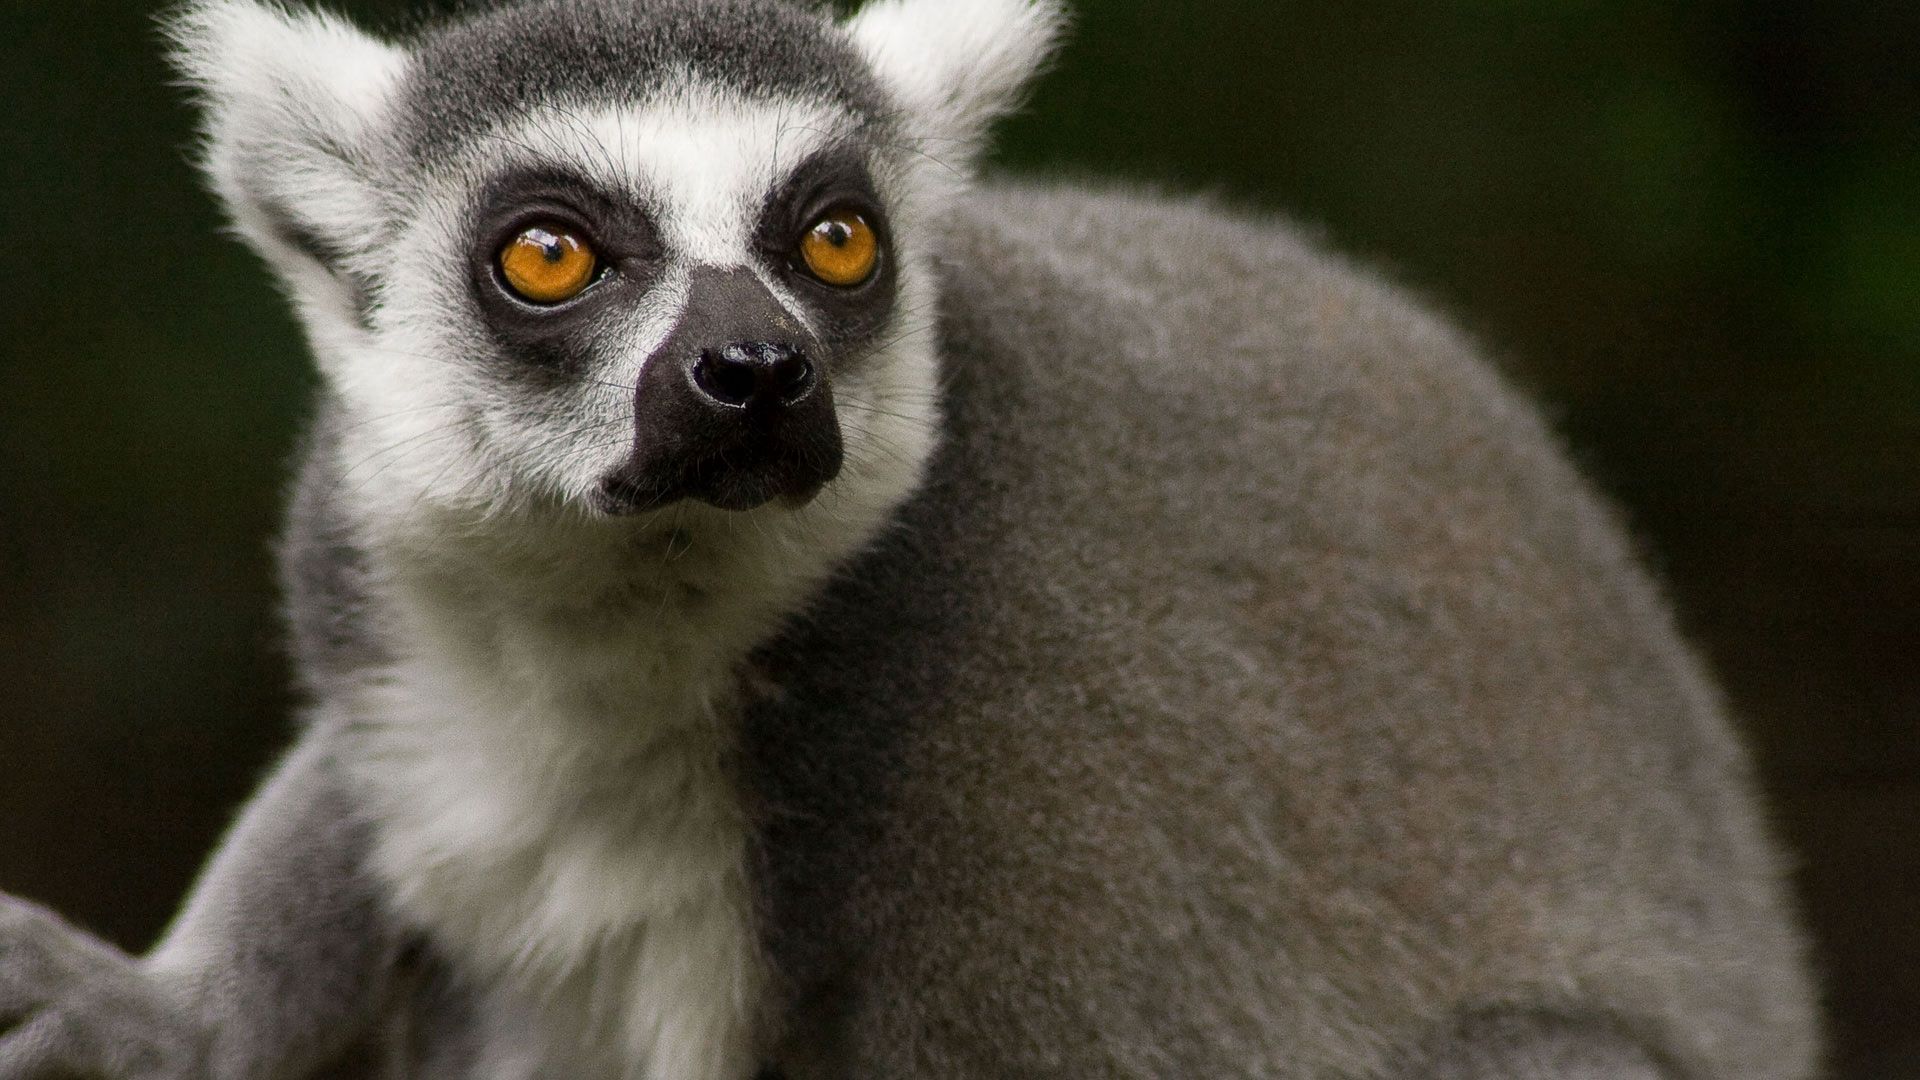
(1691, 229)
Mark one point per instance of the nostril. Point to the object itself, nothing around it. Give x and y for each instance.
(754, 373)
(792, 377)
(728, 375)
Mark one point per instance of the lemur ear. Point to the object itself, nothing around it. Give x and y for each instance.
(956, 65)
(293, 106)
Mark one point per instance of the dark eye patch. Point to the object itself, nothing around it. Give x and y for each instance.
(558, 339)
(832, 179)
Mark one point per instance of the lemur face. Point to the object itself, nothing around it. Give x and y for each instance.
(661, 298)
(662, 272)
(600, 257)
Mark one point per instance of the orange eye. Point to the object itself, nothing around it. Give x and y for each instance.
(547, 264)
(840, 249)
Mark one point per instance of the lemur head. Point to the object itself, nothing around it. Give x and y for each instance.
(591, 257)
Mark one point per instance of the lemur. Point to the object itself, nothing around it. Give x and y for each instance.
(770, 600)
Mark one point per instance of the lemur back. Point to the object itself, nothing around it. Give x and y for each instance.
(1253, 690)
(769, 602)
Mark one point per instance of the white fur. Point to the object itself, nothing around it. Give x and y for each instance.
(554, 808)
(702, 157)
(293, 107)
(956, 65)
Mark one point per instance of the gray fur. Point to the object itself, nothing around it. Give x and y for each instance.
(576, 52)
(277, 964)
(1515, 1043)
(1253, 690)
(1247, 687)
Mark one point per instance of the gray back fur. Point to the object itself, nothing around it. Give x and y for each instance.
(1253, 690)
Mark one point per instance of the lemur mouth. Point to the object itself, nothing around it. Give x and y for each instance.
(741, 477)
(720, 487)
(720, 483)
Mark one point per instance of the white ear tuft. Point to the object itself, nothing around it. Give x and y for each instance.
(956, 65)
(294, 105)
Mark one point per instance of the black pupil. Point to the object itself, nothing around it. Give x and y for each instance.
(837, 233)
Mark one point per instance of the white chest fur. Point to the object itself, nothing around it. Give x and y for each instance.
(554, 808)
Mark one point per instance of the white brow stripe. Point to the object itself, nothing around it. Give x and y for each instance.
(703, 160)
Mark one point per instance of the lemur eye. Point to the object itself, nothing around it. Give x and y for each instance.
(547, 264)
(840, 249)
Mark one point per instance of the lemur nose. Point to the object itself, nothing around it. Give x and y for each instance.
(748, 374)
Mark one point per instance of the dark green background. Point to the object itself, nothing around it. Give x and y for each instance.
(1693, 230)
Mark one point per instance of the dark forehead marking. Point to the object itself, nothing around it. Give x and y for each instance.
(471, 73)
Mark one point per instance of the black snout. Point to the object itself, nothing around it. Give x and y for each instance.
(732, 409)
(754, 374)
